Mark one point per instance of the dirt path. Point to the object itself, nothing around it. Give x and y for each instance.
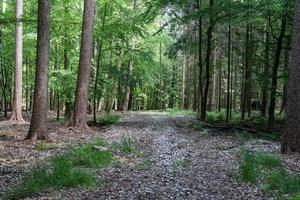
(181, 164)
(172, 161)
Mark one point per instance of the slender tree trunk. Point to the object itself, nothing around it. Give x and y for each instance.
(38, 125)
(266, 67)
(183, 89)
(228, 75)
(275, 72)
(247, 78)
(126, 103)
(96, 81)
(17, 100)
(81, 97)
(284, 89)
(291, 136)
(200, 64)
(125, 106)
(207, 61)
(172, 103)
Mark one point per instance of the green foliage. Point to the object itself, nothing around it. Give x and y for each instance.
(198, 126)
(297, 197)
(108, 119)
(267, 169)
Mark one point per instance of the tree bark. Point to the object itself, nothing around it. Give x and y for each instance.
(228, 75)
(81, 97)
(38, 125)
(17, 99)
(200, 62)
(275, 72)
(266, 67)
(291, 133)
(207, 61)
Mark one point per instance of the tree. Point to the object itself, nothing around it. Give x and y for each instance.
(17, 100)
(291, 133)
(81, 97)
(38, 125)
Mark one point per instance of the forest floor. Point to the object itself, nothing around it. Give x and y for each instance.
(171, 160)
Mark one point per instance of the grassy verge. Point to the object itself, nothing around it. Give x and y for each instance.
(267, 171)
(71, 169)
(179, 112)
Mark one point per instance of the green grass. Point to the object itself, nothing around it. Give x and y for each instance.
(108, 119)
(70, 169)
(182, 163)
(41, 146)
(89, 156)
(125, 145)
(267, 170)
(179, 112)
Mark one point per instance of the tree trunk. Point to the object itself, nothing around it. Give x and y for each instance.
(264, 100)
(247, 78)
(228, 74)
(275, 72)
(38, 125)
(200, 64)
(291, 136)
(286, 68)
(17, 99)
(81, 97)
(207, 61)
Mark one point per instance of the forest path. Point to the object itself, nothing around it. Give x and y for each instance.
(170, 160)
(175, 162)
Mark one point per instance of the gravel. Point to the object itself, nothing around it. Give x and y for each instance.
(171, 161)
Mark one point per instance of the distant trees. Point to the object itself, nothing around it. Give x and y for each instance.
(17, 98)
(38, 126)
(81, 98)
(291, 133)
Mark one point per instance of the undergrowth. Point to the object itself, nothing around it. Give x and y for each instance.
(267, 170)
(108, 119)
(179, 112)
(71, 169)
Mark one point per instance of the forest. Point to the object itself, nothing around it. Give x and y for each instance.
(150, 99)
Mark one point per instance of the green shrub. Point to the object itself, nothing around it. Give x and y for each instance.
(109, 119)
(198, 126)
(126, 146)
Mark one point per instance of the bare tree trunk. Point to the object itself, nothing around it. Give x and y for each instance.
(275, 72)
(183, 89)
(228, 75)
(291, 136)
(38, 125)
(207, 61)
(127, 89)
(247, 77)
(81, 97)
(266, 67)
(286, 67)
(17, 100)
